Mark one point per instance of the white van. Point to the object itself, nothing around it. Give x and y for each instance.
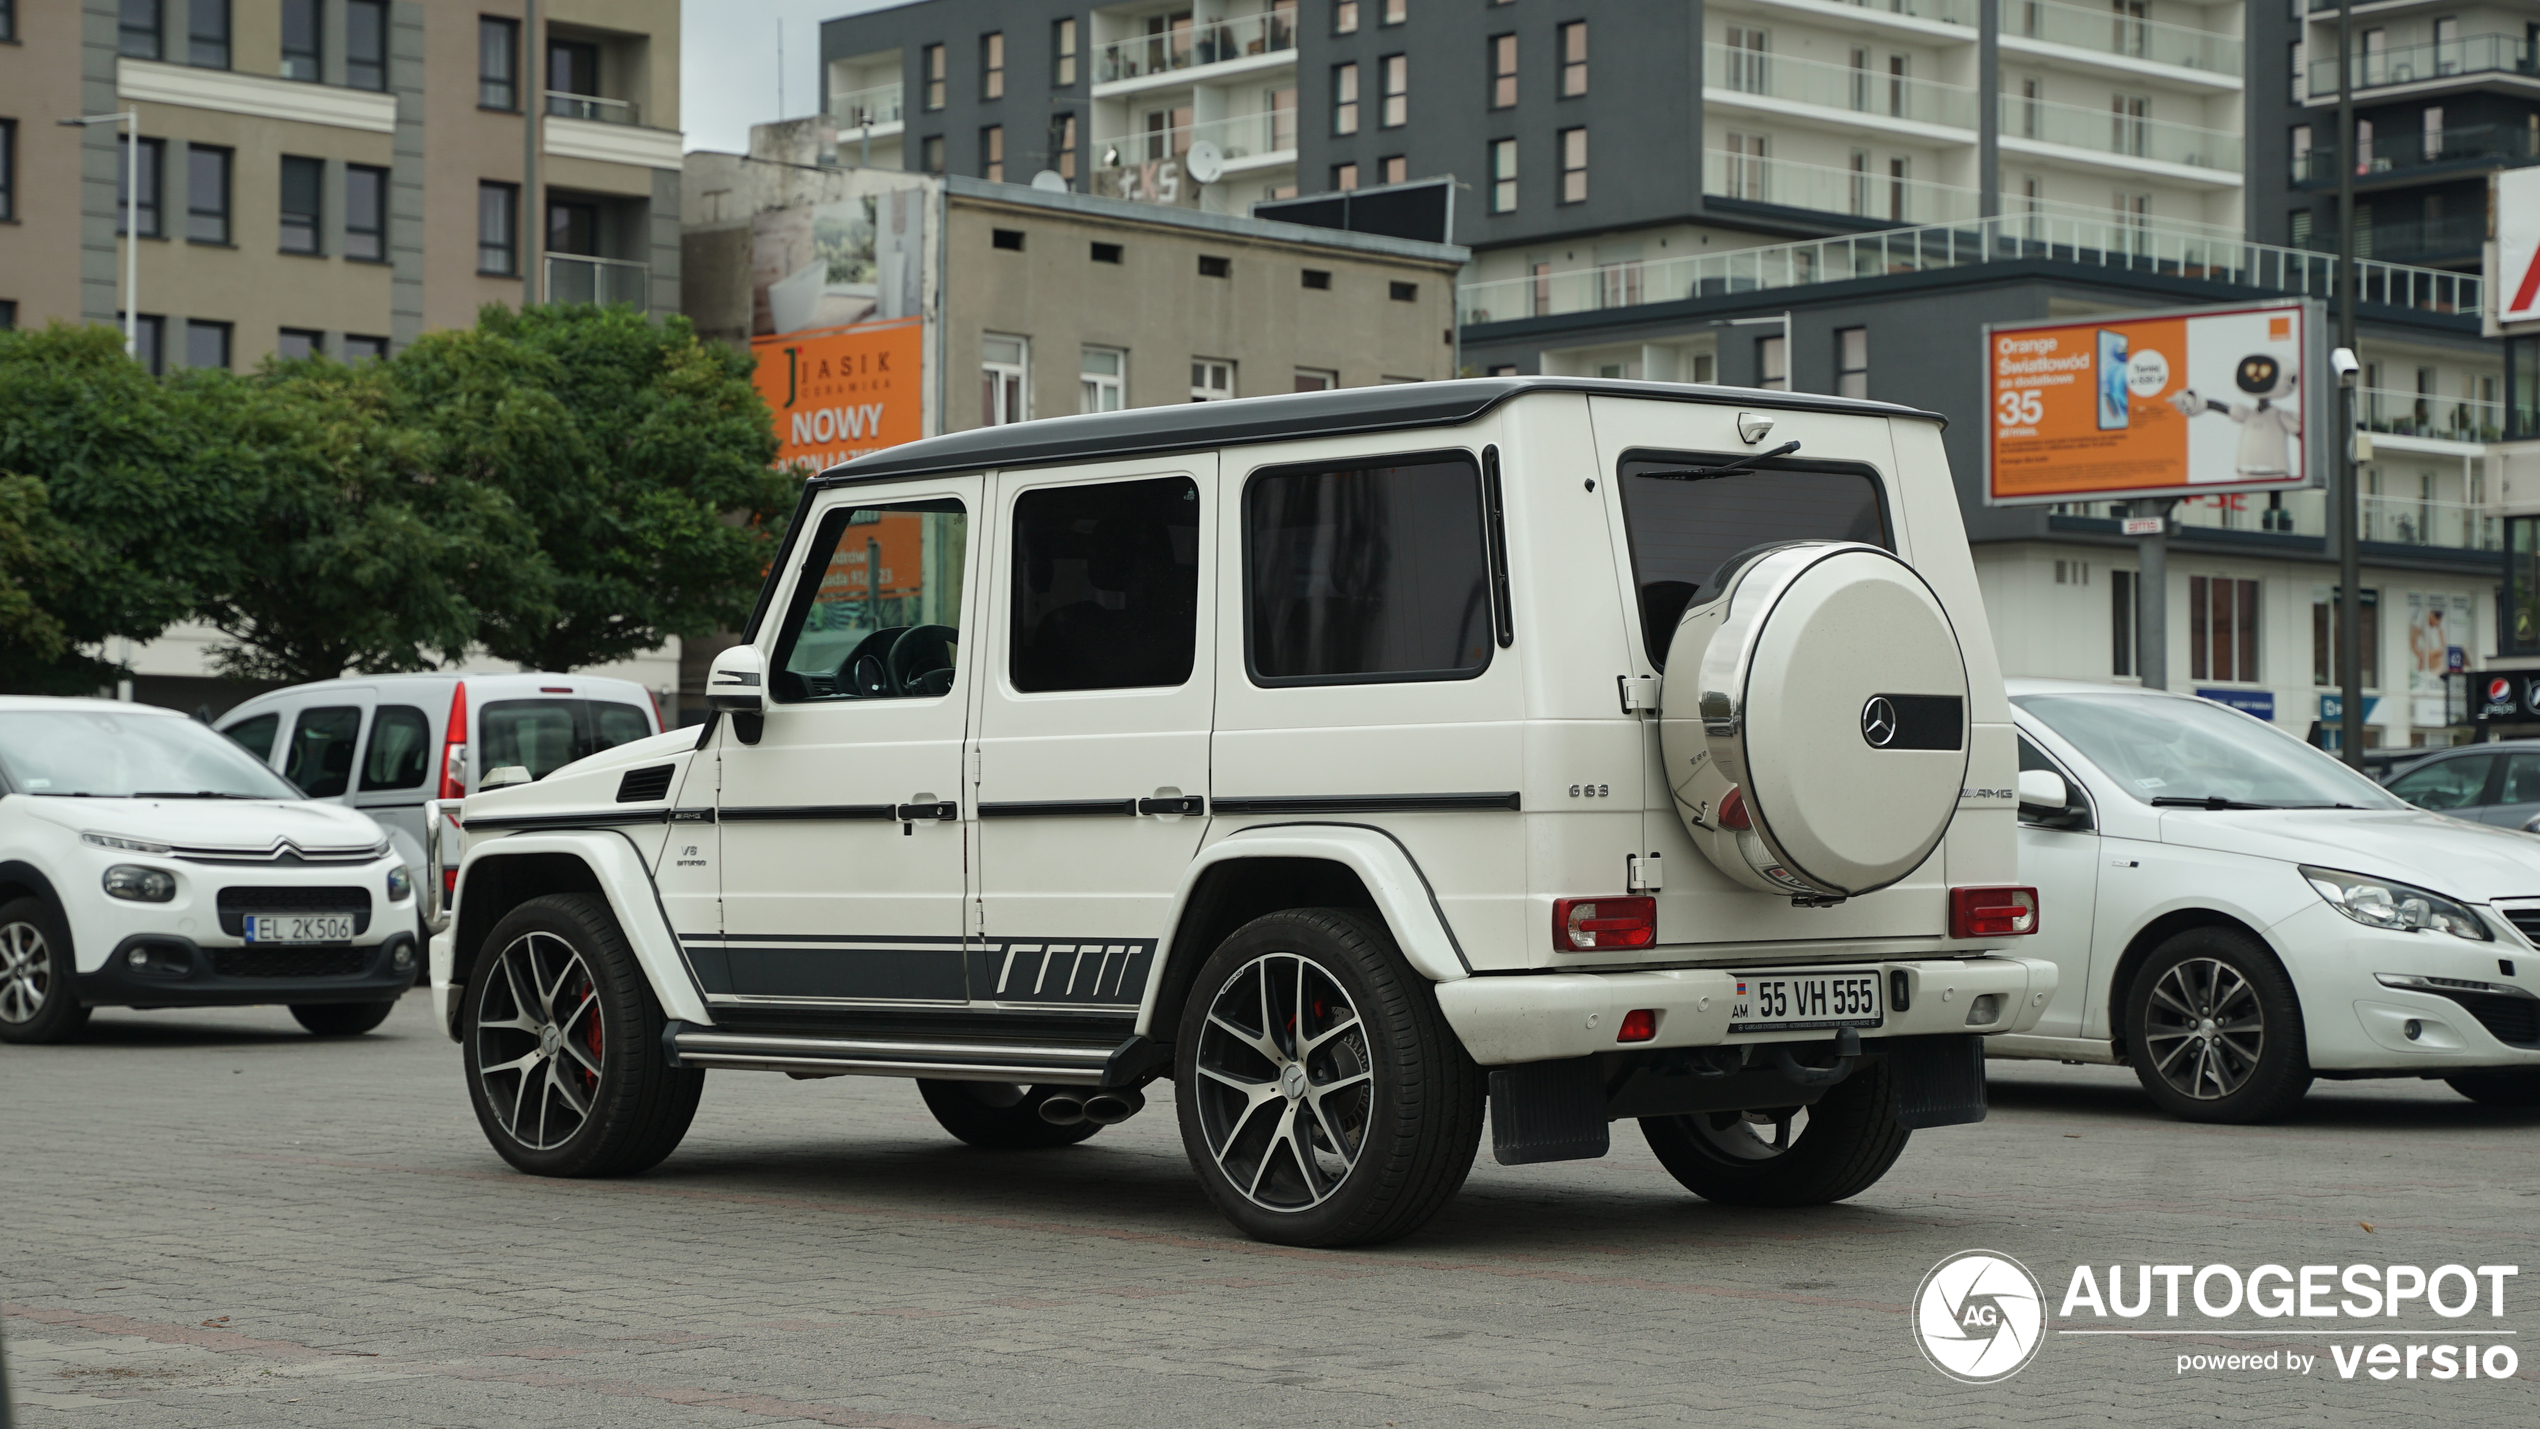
(1584, 751)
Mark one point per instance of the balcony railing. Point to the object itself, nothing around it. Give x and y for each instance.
(1244, 136)
(2095, 243)
(592, 107)
(1948, 12)
(2422, 414)
(2110, 131)
(2502, 144)
(575, 278)
(2402, 239)
(864, 108)
(2437, 59)
(1727, 68)
(2391, 520)
(2110, 33)
(1192, 46)
(1858, 194)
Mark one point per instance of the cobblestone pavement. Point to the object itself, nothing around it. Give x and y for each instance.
(213, 1219)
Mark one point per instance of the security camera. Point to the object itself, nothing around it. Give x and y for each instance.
(2342, 361)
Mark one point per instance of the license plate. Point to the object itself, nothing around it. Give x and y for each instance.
(1802, 1002)
(300, 928)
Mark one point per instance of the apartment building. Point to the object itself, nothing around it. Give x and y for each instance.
(332, 175)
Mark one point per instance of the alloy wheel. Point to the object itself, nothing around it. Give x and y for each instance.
(2204, 1028)
(538, 1040)
(1284, 1091)
(26, 972)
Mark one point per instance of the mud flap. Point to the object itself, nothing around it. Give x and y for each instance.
(1939, 1081)
(1548, 1111)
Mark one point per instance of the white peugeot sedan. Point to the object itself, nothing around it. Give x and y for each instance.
(2235, 913)
(146, 861)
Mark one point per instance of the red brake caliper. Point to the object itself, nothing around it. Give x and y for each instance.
(593, 1041)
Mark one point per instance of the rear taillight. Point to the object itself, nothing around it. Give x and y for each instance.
(454, 747)
(1992, 912)
(1733, 813)
(1587, 925)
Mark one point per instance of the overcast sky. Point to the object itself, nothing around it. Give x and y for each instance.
(728, 74)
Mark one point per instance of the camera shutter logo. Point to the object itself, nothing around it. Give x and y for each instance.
(1979, 1316)
(1878, 722)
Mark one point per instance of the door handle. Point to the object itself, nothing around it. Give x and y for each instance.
(1178, 804)
(945, 812)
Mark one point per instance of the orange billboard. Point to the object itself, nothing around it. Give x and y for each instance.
(840, 393)
(2168, 404)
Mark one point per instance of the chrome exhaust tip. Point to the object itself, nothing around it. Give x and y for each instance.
(1113, 1108)
(1062, 1109)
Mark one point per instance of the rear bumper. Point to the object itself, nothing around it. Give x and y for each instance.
(369, 973)
(1542, 1017)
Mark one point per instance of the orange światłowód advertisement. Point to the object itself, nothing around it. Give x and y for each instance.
(843, 392)
(2089, 410)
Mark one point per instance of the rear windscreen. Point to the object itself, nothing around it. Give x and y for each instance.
(544, 735)
(1685, 534)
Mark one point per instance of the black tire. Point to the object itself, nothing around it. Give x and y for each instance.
(999, 1116)
(1385, 1092)
(36, 972)
(2255, 1064)
(565, 952)
(1839, 1147)
(341, 1019)
(2519, 1087)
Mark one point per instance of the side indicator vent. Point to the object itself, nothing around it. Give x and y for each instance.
(643, 786)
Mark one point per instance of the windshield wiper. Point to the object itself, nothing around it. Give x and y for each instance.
(1710, 473)
(182, 794)
(2209, 801)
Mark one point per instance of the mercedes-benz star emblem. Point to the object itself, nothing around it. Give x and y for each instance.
(1878, 721)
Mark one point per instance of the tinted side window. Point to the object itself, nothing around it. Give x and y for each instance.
(2446, 783)
(320, 758)
(1106, 585)
(1370, 573)
(877, 611)
(2522, 780)
(397, 755)
(256, 735)
(1684, 532)
(538, 735)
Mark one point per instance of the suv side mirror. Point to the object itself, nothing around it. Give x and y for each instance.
(736, 683)
(2046, 799)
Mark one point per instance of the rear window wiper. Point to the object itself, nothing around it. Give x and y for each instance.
(1710, 473)
(2208, 801)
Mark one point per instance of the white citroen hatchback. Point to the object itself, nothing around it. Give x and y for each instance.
(2236, 913)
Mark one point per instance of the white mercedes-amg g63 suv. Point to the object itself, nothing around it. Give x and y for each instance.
(1365, 762)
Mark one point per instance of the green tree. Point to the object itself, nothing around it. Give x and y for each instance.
(639, 454)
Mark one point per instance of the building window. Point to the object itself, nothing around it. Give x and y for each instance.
(1899, 186)
(1211, 380)
(1403, 292)
(1394, 167)
(1503, 176)
(137, 33)
(1746, 154)
(8, 31)
(365, 212)
(1345, 17)
(1344, 177)
(1746, 63)
(8, 168)
(1105, 253)
(1003, 380)
(1009, 239)
(1319, 279)
(1772, 364)
(1397, 11)
(1063, 145)
(2324, 610)
(207, 34)
(1542, 286)
(1211, 266)
(992, 153)
(1316, 379)
(1503, 71)
(2121, 585)
(2129, 124)
(1574, 59)
(366, 44)
(934, 61)
(2222, 629)
(297, 342)
(1397, 108)
(497, 230)
(992, 65)
(1574, 166)
(930, 153)
(1104, 386)
(206, 194)
(497, 63)
(1852, 362)
(303, 195)
(149, 345)
(303, 36)
(207, 344)
(357, 348)
(140, 216)
(1063, 52)
(1345, 99)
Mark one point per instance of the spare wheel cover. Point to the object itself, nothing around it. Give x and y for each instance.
(1846, 712)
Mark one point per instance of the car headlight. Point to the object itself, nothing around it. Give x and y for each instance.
(121, 844)
(137, 884)
(400, 884)
(2380, 903)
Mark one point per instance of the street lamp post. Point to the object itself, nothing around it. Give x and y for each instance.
(131, 120)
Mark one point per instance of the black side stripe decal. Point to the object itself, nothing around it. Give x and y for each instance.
(597, 819)
(764, 813)
(1059, 809)
(1369, 804)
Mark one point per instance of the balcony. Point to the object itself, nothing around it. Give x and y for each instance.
(861, 109)
(2401, 157)
(2101, 32)
(2456, 236)
(1848, 94)
(1197, 47)
(2105, 131)
(2102, 243)
(1869, 195)
(2422, 414)
(593, 108)
(1260, 140)
(578, 278)
(2463, 58)
(1947, 12)
(2386, 520)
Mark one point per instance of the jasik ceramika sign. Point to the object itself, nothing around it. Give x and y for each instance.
(840, 393)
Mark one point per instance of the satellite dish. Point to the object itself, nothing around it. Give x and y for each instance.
(1049, 181)
(1205, 161)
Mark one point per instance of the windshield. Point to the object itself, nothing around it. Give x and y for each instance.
(107, 755)
(2164, 750)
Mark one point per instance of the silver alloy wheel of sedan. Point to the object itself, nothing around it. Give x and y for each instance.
(539, 1040)
(2205, 1028)
(26, 971)
(1285, 1090)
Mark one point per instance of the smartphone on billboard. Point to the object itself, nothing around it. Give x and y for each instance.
(2112, 389)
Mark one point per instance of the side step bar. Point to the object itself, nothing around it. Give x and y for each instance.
(1076, 1064)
